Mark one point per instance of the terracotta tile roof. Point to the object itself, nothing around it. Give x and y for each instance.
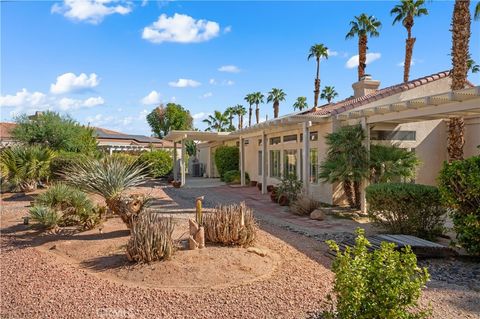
(6, 129)
(351, 102)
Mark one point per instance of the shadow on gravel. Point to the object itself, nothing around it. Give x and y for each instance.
(106, 262)
(19, 197)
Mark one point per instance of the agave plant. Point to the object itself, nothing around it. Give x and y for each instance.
(45, 216)
(110, 177)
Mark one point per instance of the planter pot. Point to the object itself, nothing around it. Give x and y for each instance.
(176, 184)
(270, 188)
(170, 179)
(274, 197)
(259, 186)
(283, 200)
(253, 183)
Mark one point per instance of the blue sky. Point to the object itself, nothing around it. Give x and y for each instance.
(108, 63)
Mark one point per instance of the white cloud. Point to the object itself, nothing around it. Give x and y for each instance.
(69, 82)
(229, 68)
(212, 81)
(332, 53)
(227, 29)
(229, 82)
(23, 99)
(144, 3)
(199, 116)
(206, 95)
(94, 101)
(180, 28)
(152, 98)
(67, 104)
(412, 62)
(353, 61)
(183, 83)
(90, 11)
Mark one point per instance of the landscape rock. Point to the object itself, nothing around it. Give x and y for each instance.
(317, 214)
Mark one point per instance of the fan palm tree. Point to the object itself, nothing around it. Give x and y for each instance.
(362, 27)
(406, 12)
(300, 103)
(240, 112)
(472, 65)
(230, 113)
(328, 93)
(257, 99)
(249, 98)
(460, 56)
(217, 122)
(276, 96)
(317, 51)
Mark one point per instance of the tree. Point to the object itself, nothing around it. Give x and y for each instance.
(476, 16)
(460, 56)
(472, 65)
(249, 98)
(276, 96)
(230, 113)
(257, 99)
(55, 131)
(172, 117)
(240, 112)
(328, 93)
(362, 27)
(391, 164)
(406, 12)
(346, 161)
(317, 51)
(300, 103)
(217, 122)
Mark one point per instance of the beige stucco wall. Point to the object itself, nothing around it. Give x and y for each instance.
(472, 136)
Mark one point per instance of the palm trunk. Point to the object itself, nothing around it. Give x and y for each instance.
(231, 120)
(456, 139)
(250, 116)
(362, 56)
(276, 106)
(356, 190)
(317, 84)
(347, 189)
(409, 43)
(257, 113)
(127, 207)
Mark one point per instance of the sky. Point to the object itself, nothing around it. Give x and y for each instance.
(108, 63)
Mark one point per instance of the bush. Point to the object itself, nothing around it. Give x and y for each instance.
(406, 209)
(160, 162)
(128, 158)
(151, 238)
(290, 186)
(391, 164)
(384, 283)
(233, 177)
(304, 205)
(63, 161)
(45, 216)
(459, 184)
(227, 159)
(231, 225)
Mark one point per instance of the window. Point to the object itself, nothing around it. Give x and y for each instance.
(290, 163)
(275, 140)
(275, 163)
(246, 142)
(313, 136)
(260, 163)
(313, 165)
(393, 135)
(259, 142)
(290, 138)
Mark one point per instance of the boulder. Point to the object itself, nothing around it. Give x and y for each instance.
(317, 214)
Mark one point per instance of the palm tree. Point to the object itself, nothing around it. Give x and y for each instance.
(240, 112)
(249, 98)
(476, 16)
(406, 11)
(317, 51)
(472, 65)
(257, 99)
(230, 113)
(363, 26)
(301, 103)
(217, 122)
(276, 96)
(460, 56)
(328, 93)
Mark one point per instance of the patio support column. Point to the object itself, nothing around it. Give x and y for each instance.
(264, 163)
(175, 175)
(366, 182)
(242, 162)
(208, 169)
(306, 155)
(182, 164)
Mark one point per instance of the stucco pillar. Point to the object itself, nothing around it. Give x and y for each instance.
(306, 155)
(242, 162)
(365, 182)
(182, 164)
(175, 168)
(264, 163)
(208, 169)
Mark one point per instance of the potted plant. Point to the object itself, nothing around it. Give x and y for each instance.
(274, 195)
(177, 184)
(283, 200)
(269, 188)
(253, 183)
(259, 186)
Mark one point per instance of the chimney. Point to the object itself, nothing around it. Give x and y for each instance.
(365, 86)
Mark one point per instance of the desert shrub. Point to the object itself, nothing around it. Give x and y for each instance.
(151, 238)
(160, 162)
(45, 216)
(289, 186)
(385, 283)
(233, 177)
(24, 167)
(227, 159)
(304, 205)
(391, 164)
(230, 225)
(128, 158)
(63, 161)
(403, 208)
(459, 184)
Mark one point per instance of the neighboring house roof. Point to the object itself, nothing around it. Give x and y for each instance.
(6, 130)
(350, 103)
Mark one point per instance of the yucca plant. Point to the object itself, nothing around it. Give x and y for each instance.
(23, 167)
(45, 216)
(110, 177)
(304, 205)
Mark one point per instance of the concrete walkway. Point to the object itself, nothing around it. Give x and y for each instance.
(202, 182)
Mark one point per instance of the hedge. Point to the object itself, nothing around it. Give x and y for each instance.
(160, 162)
(233, 177)
(227, 158)
(403, 208)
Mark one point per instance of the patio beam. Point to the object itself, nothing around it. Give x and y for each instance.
(175, 167)
(182, 164)
(264, 163)
(306, 153)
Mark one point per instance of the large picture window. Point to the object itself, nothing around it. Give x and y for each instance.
(275, 163)
(290, 163)
(314, 165)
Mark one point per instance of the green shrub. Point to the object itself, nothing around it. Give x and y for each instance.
(227, 159)
(290, 186)
(160, 162)
(391, 164)
(403, 208)
(384, 283)
(459, 184)
(128, 158)
(233, 177)
(45, 216)
(63, 161)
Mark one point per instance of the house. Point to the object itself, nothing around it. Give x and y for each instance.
(411, 115)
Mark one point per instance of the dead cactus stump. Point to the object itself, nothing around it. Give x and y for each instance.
(196, 239)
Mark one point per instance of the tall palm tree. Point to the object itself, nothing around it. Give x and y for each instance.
(217, 122)
(276, 96)
(405, 12)
(328, 93)
(300, 103)
(257, 99)
(472, 65)
(362, 27)
(460, 56)
(230, 113)
(240, 112)
(249, 98)
(317, 51)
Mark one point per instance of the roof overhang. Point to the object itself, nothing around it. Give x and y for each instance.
(177, 136)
